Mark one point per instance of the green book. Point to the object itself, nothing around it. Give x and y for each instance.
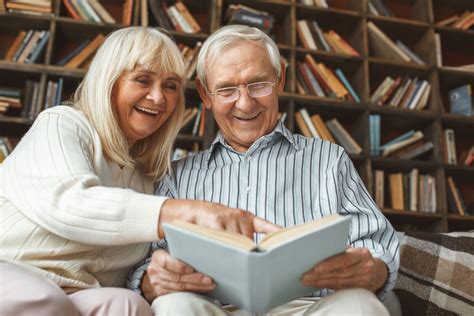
(258, 277)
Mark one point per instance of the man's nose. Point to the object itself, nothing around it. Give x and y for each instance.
(245, 101)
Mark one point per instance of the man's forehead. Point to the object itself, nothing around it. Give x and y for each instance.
(245, 59)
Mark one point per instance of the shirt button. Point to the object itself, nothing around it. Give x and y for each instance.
(248, 189)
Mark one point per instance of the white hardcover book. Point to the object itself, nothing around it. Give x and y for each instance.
(258, 277)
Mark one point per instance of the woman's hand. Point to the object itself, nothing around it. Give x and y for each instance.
(215, 216)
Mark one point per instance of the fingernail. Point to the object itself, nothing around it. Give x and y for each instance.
(207, 280)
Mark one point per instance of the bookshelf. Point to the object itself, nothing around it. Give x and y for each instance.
(414, 23)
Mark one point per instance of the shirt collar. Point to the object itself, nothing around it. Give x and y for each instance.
(280, 131)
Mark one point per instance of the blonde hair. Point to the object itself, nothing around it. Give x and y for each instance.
(123, 50)
(228, 36)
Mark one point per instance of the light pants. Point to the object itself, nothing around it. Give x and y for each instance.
(25, 293)
(343, 302)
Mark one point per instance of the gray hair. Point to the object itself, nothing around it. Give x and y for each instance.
(228, 36)
(124, 50)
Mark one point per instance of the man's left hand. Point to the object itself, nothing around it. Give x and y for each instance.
(355, 268)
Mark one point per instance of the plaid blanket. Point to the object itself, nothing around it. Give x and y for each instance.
(436, 275)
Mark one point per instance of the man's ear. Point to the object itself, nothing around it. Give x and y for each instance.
(205, 97)
(281, 82)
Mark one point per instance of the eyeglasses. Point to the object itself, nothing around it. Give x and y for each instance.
(255, 90)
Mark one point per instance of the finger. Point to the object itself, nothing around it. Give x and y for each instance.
(184, 286)
(166, 262)
(262, 226)
(343, 273)
(194, 278)
(339, 261)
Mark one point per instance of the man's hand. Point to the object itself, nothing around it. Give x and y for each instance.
(215, 216)
(166, 275)
(355, 268)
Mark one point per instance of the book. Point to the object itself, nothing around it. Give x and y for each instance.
(257, 277)
(15, 46)
(195, 28)
(460, 100)
(102, 12)
(348, 86)
(386, 150)
(383, 46)
(396, 190)
(240, 14)
(302, 125)
(87, 52)
(304, 34)
(73, 53)
(379, 188)
(414, 57)
(457, 206)
(309, 123)
(343, 137)
(321, 128)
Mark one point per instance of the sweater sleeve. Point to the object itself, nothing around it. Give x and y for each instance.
(369, 228)
(50, 178)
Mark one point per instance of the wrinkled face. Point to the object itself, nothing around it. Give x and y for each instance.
(143, 100)
(248, 118)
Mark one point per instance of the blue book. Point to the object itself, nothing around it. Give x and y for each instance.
(398, 139)
(346, 83)
(59, 92)
(374, 124)
(71, 55)
(33, 57)
(460, 100)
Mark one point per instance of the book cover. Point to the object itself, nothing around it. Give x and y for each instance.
(460, 100)
(258, 277)
(396, 190)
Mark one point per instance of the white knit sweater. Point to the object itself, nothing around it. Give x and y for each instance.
(67, 212)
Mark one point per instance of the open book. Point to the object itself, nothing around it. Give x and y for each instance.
(258, 277)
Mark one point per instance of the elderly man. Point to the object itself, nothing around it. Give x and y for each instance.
(256, 164)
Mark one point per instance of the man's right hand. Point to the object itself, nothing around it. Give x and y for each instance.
(167, 275)
(215, 216)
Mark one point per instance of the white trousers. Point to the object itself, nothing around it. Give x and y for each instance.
(343, 302)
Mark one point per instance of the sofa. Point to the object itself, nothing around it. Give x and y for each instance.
(436, 275)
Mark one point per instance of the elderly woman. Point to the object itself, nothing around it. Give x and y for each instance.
(77, 209)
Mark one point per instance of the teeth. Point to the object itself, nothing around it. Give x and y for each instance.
(155, 112)
(247, 118)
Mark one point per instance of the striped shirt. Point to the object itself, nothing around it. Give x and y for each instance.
(287, 179)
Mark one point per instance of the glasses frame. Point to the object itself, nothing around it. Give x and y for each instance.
(238, 88)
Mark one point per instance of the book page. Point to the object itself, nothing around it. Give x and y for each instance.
(226, 237)
(274, 239)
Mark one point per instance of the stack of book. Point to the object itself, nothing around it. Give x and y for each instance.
(378, 8)
(173, 17)
(27, 47)
(240, 14)
(54, 92)
(37, 7)
(312, 36)
(406, 191)
(194, 120)
(460, 100)
(6, 146)
(382, 46)
(332, 130)
(10, 98)
(319, 80)
(464, 21)
(407, 93)
(409, 145)
(190, 58)
(82, 54)
(315, 3)
(455, 201)
(88, 10)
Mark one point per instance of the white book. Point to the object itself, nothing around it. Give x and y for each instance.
(258, 277)
(424, 98)
(414, 179)
(306, 34)
(309, 123)
(417, 96)
(392, 148)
